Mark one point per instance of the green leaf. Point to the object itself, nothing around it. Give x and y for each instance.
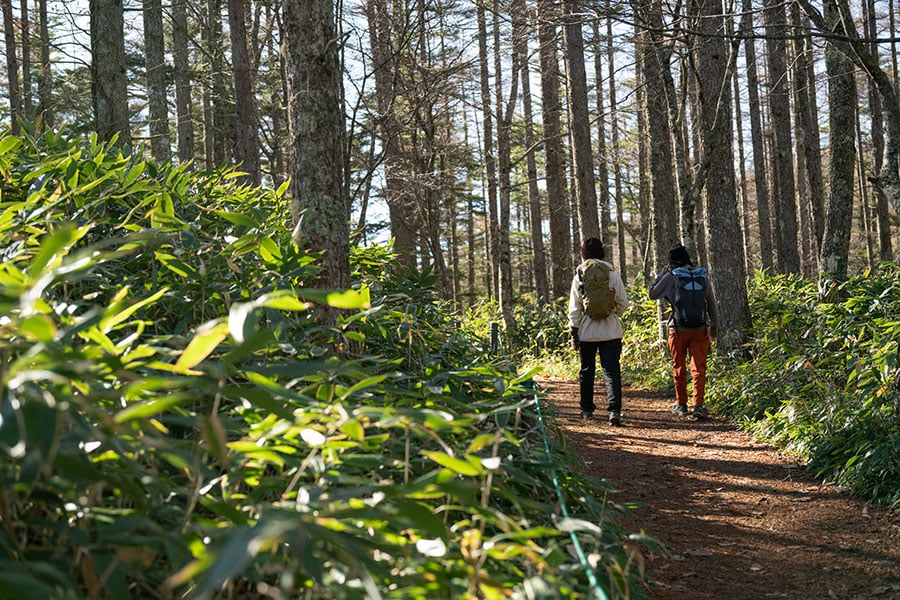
(457, 465)
(204, 342)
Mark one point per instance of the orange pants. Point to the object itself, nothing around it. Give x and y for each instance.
(695, 343)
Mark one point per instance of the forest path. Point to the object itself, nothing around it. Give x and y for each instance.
(742, 521)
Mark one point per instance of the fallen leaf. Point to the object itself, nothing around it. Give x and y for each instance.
(757, 567)
(699, 552)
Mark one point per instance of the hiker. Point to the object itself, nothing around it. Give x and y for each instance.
(692, 323)
(596, 301)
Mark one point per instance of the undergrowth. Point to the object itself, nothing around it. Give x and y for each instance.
(822, 380)
(176, 422)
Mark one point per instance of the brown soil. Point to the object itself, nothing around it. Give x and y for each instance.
(741, 520)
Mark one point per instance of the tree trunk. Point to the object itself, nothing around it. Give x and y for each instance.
(560, 232)
(662, 182)
(854, 49)
(27, 100)
(602, 158)
(643, 149)
(737, 103)
(808, 129)
(760, 173)
(885, 243)
(246, 151)
(614, 142)
(493, 244)
(504, 126)
(108, 81)
(320, 204)
(784, 199)
(841, 100)
(157, 92)
(539, 269)
(400, 206)
(580, 126)
(12, 66)
(725, 251)
(45, 83)
(183, 103)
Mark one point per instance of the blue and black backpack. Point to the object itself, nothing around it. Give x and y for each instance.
(689, 307)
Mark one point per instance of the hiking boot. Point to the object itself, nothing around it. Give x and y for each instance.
(699, 412)
(680, 409)
(586, 414)
(615, 419)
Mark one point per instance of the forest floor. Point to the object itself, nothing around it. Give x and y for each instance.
(741, 520)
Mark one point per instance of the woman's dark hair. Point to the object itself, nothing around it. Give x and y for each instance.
(592, 248)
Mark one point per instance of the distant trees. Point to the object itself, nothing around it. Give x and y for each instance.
(445, 142)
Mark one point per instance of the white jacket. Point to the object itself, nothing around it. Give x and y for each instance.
(609, 328)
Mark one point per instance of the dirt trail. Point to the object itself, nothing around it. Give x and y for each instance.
(742, 520)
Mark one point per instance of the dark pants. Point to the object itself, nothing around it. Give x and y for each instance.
(609, 351)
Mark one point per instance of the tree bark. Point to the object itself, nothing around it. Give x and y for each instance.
(580, 126)
(27, 100)
(539, 262)
(614, 142)
(320, 204)
(785, 202)
(885, 243)
(183, 103)
(490, 167)
(246, 127)
(841, 100)
(110, 92)
(560, 232)
(504, 162)
(12, 66)
(757, 140)
(602, 158)
(401, 209)
(157, 92)
(725, 251)
(662, 182)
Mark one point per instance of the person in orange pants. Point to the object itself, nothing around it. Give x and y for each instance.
(692, 324)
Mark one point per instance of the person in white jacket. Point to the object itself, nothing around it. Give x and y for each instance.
(591, 337)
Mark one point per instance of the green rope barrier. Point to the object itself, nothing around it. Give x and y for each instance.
(592, 579)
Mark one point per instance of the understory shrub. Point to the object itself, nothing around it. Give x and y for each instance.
(822, 380)
(176, 422)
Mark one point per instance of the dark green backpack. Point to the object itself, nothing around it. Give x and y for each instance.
(597, 299)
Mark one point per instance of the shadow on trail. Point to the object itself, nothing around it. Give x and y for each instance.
(740, 520)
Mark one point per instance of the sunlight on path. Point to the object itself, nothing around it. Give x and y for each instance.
(741, 519)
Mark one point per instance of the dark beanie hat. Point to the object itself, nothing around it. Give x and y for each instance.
(679, 254)
(592, 248)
